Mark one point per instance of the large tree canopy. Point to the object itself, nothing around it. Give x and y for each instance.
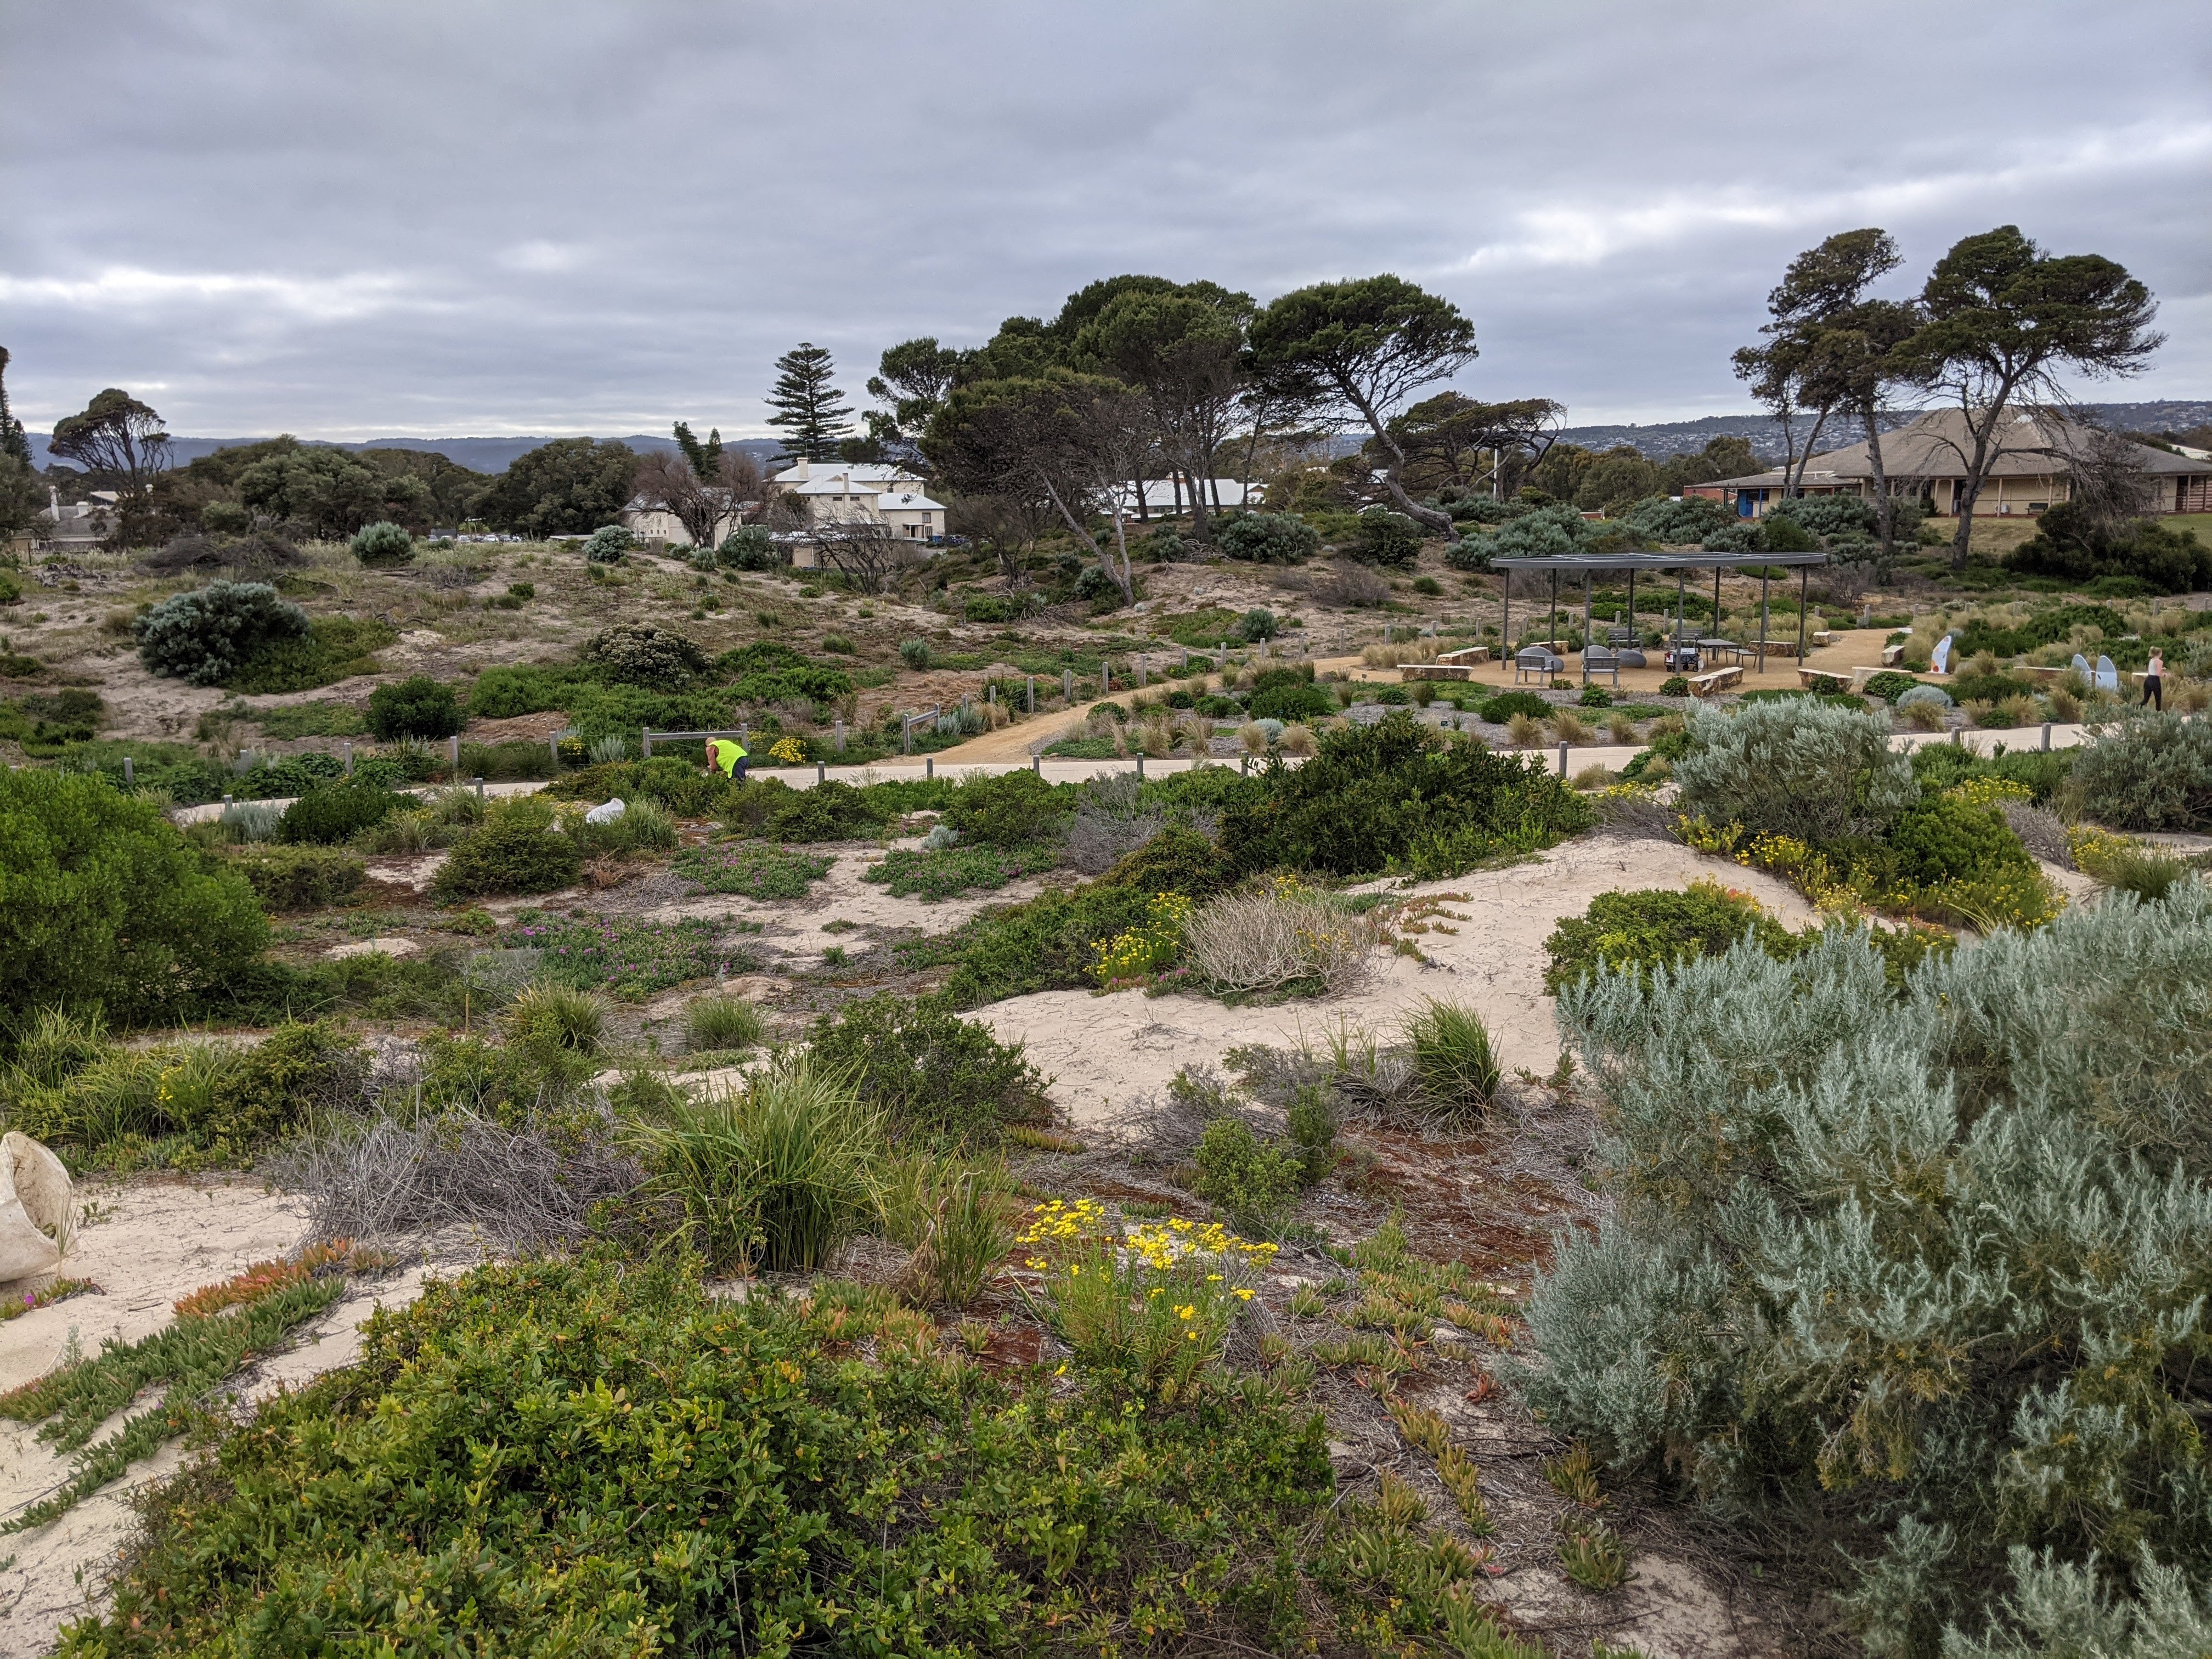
(118, 439)
(1365, 346)
(569, 487)
(808, 407)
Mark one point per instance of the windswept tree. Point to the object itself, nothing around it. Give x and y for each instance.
(1066, 439)
(807, 404)
(1184, 349)
(1452, 440)
(2007, 322)
(705, 459)
(118, 439)
(15, 442)
(911, 380)
(1362, 348)
(21, 496)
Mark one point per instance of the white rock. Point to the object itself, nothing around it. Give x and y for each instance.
(607, 812)
(388, 945)
(37, 1208)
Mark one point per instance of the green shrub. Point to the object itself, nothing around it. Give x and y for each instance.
(1396, 795)
(1658, 927)
(1267, 537)
(2071, 544)
(559, 1015)
(915, 654)
(332, 649)
(932, 1074)
(298, 878)
(1012, 809)
(749, 547)
(1312, 1123)
(384, 545)
(1301, 701)
(332, 812)
(1258, 623)
(202, 637)
(297, 1069)
(1675, 685)
(104, 903)
(752, 871)
(1942, 839)
(514, 850)
(1506, 704)
(1889, 685)
(1254, 1183)
(1596, 696)
(946, 873)
(640, 654)
(988, 608)
(607, 544)
(1387, 538)
(830, 811)
(2146, 771)
(1798, 768)
(418, 707)
(2034, 1113)
(778, 1172)
(2150, 873)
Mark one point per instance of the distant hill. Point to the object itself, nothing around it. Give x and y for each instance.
(1659, 440)
(478, 455)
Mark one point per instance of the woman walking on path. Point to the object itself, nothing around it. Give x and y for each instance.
(2154, 681)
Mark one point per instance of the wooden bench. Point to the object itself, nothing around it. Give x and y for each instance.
(1706, 685)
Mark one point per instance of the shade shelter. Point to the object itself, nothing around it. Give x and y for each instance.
(1590, 565)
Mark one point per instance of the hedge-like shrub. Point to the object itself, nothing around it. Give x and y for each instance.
(1011, 809)
(103, 903)
(204, 637)
(384, 545)
(1267, 537)
(332, 649)
(332, 812)
(1889, 685)
(298, 878)
(1301, 701)
(932, 1073)
(1386, 538)
(1658, 928)
(1397, 795)
(2149, 771)
(608, 543)
(749, 547)
(514, 850)
(418, 707)
(1797, 767)
(639, 654)
(1914, 1281)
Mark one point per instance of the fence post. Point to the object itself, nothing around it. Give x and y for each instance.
(841, 734)
(479, 783)
(1037, 764)
(131, 773)
(821, 771)
(1140, 766)
(991, 695)
(1185, 659)
(227, 800)
(2047, 737)
(454, 753)
(1032, 696)
(1067, 686)
(1563, 760)
(1105, 678)
(645, 742)
(1243, 766)
(349, 759)
(1141, 672)
(929, 766)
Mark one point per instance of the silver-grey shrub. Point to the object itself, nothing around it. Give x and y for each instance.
(1796, 767)
(202, 637)
(2145, 771)
(1909, 1278)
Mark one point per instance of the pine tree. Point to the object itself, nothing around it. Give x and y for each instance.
(807, 404)
(15, 442)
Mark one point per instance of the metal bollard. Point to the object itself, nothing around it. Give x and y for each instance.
(821, 772)
(1563, 760)
(227, 800)
(2047, 737)
(479, 783)
(1032, 696)
(1067, 686)
(453, 753)
(1957, 737)
(1037, 764)
(349, 759)
(131, 773)
(929, 766)
(1243, 766)
(1140, 766)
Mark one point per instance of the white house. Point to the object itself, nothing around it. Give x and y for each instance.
(1170, 499)
(847, 492)
(649, 523)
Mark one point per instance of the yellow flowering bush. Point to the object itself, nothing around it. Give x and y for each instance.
(1142, 953)
(1153, 1306)
(788, 751)
(1989, 791)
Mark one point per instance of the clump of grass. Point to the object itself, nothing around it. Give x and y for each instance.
(1620, 727)
(1924, 716)
(777, 1173)
(719, 1020)
(1568, 727)
(2148, 872)
(1043, 1140)
(562, 1014)
(1454, 1058)
(956, 1219)
(1522, 732)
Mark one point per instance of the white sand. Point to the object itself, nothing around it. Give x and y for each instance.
(1102, 1052)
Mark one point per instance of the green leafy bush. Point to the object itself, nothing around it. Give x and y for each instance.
(608, 544)
(932, 1073)
(1675, 685)
(298, 878)
(2046, 627)
(204, 636)
(1942, 839)
(384, 545)
(1267, 537)
(915, 654)
(1387, 538)
(1258, 623)
(749, 547)
(418, 707)
(104, 903)
(752, 871)
(1252, 1182)
(1396, 795)
(333, 648)
(1944, 765)
(1289, 696)
(336, 811)
(514, 850)
(640, 654)
(1506, 704)
(2071, 544)
(2146, 771)
(1889, 685)
(2024, 1138)
(948, 872)
(831, 810)
(1013, 809)
(1658, 927)
(1798, 768)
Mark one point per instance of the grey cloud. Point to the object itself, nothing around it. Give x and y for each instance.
(391, 217)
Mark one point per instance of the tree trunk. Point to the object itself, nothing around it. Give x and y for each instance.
(1198, 526)
(1885, 506)
(1812, 439)
(1428, 516)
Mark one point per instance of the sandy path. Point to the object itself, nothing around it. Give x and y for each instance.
(1102, 1052)
(154, 1239)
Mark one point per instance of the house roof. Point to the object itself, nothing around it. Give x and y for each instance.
(906, 501)
(877, 472)
(1936, 445)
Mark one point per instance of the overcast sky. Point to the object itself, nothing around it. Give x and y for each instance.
(350, 220)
